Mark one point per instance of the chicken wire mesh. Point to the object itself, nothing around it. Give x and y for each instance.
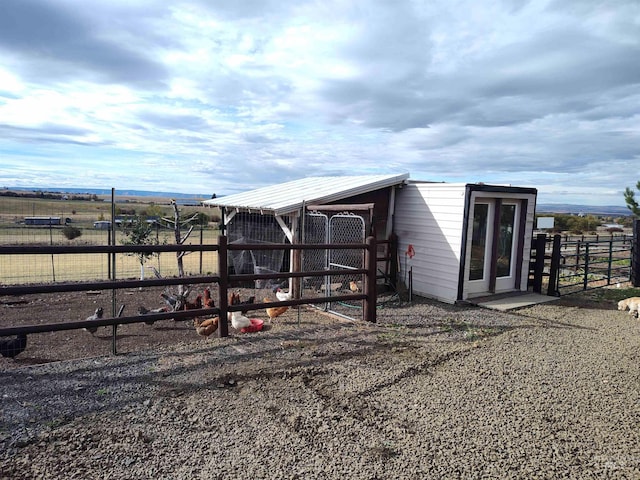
(253, 228)
(83, 219)
(338, 228)
(316, 231)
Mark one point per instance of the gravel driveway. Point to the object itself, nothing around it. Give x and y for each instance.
(431, 391)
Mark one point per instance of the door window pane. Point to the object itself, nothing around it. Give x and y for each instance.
(505, 240)
(478, 241)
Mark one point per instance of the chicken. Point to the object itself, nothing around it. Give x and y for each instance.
(196, 304)
(354, 287)
(206, 327)
(96, 315)
(282, 295)
(273, 312)
(234, 299)
(145, 311)
(11, 347)
(207, 301)
(171, 301)
(239, 321)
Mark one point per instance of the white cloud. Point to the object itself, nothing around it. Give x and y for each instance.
(203, 96)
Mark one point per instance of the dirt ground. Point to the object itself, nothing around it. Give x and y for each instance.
(138, 337)
(73, 306)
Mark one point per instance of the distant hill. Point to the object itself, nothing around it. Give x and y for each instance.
(107, 191)
(586, 209)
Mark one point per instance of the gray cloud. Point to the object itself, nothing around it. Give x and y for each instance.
(54, 44)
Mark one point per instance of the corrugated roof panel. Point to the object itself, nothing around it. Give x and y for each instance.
(287, 197)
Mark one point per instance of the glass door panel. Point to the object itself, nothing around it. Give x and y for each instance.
(479, 241)
(505, 240)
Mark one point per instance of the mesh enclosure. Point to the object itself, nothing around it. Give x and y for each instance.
(253, 228)
(339, 228)
(346, 228)
(316, 230)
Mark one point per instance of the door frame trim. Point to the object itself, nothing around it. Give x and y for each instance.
(469, 189)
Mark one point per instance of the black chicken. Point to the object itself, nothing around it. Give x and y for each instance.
(13, 346)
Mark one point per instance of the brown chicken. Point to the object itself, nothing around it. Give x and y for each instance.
(196, 304)
(234, 299)
(273, 312)
(207, 301)
(206, 327)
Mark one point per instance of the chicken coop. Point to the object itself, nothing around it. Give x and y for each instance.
(310, 210)
(455, 241)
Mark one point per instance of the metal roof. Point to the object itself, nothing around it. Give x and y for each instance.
(288, 197)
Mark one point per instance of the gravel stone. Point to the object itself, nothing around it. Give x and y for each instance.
(430, 391)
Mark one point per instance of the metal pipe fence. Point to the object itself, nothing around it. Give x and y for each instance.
(572, 265)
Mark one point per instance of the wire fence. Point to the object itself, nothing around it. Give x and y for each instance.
(64, 220)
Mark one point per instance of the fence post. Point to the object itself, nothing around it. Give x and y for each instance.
(369, 310)
(585, 279)
(223, 286)
(539, 245)
(554, 268)
(610, 262)
(635, 254)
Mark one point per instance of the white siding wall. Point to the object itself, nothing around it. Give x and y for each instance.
(430, 217)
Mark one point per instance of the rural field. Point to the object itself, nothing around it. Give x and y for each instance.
(24, 269)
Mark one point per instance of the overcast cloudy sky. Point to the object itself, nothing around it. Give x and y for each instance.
(203, 96)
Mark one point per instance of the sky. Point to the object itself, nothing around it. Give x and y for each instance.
(215, 96)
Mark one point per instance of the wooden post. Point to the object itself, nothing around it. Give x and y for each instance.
(585, 280)
(635, 254)
(369, 310)
(610, 262)
(223, 287)
(538, 270)
(554, 269)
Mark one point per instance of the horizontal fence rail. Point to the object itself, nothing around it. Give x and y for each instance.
(223, 280)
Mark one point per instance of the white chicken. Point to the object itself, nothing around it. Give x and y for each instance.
(282, 295)
(238, 320)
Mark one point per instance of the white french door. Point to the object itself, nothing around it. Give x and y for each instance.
(493, 246)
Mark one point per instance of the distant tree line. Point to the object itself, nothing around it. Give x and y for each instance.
(579, 224)
(49, 195)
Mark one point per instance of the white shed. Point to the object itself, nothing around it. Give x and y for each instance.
(470, 240)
